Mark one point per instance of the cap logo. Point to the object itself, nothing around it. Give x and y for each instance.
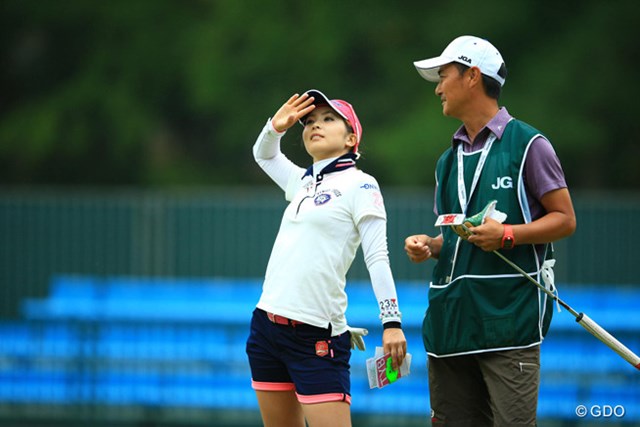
(465, 59)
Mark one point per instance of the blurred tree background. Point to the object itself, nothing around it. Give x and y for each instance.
(155, 93)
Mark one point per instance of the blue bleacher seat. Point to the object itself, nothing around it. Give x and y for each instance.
(128, 298)
(181, 342)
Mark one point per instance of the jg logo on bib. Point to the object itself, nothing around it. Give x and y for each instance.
(503, 182)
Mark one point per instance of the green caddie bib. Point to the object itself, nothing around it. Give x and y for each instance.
(477, 302)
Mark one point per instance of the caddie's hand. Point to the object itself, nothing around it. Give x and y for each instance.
(461, 231)
(293, 110)
(487, 236)
(356, 335)
(394, 343)
(417, 247)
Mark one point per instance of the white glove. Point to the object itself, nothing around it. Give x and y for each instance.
(547, 274)
(356, 337)
(548, 278)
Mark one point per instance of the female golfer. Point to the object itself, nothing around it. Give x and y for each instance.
(300, 344)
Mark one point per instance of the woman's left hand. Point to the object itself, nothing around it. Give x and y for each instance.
(394, 343)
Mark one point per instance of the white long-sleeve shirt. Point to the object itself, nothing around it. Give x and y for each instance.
(321, 230)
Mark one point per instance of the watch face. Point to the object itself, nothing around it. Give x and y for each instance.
(508, 243)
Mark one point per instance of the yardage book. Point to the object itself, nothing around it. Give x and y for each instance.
(381, 373)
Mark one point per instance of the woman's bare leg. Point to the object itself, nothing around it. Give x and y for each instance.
(329, 414)
(280, 409)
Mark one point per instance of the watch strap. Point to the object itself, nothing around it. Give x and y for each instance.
(508, 241)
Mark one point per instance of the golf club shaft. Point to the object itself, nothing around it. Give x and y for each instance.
(585, 321)
(535, 282)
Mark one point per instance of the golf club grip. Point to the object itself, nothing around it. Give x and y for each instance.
(604, 336)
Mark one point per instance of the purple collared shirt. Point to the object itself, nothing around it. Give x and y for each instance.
(542, 170)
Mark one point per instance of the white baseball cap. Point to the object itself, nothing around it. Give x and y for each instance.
(468, 50)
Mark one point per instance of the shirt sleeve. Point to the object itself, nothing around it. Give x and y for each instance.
(542, 169)
(368, 200)
(373, 232)
(266, 152)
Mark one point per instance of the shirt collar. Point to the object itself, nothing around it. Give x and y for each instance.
(496, 125)
(325, 166)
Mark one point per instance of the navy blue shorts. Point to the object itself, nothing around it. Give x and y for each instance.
(301, 358)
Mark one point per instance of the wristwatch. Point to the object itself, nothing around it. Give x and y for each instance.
(508, 241)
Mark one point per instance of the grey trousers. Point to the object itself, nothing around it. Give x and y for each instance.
(492, 389)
